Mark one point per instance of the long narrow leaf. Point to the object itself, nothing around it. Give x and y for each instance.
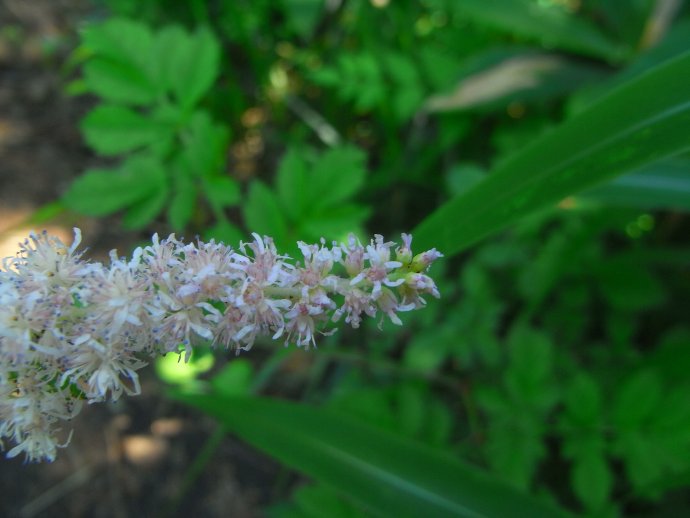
(385, 473)
(548, 24)
(641, 122)
(663, 185)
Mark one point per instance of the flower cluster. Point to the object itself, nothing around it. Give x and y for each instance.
(73, 330)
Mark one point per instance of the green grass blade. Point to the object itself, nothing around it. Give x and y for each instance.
(641, 122)
(663, 185)
(385, 473)
(550, 25)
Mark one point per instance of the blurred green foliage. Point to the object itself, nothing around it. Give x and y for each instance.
(557, 358)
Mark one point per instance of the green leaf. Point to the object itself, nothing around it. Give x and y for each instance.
(369, 405)
(654, 440)
(222, 191)
(671, 358)
(303, 15)
(188, 64)
(199, 69)
(583, 401)
(439, 424)
(674, 43)
(46, 213)
(100, 192)
(388, 475)
(263, 215)
(144, 211)
(628, 285)
(491, 80)
(182, 205)
(463, 176)
(119, 39)
(514, 450)
(337, 175)
(315, 196)
(292, 184)
(171, 369)
(547, 23)
(118, 82)
(636, 399)
(225, 232)
(310, 502)
(335, 223)
(592, 480)
(407, 91)
(412, 409)
(205, 146)
(607, 140)
(120, 67)
(112, 130)
(314, 500)
(663, 185)
(234, 380)
(357, 78)
(528, 378)
(169, 45)
(641, 456)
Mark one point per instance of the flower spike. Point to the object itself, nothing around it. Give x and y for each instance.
(73, 330)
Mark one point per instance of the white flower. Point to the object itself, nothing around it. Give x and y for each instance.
(73, 331)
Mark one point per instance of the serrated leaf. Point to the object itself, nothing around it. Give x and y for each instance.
(670, 358)
(425, 355)
(303, 15)
(292, 184)
(169, 44)
(206, 144)
(119, 39)
(225, 232)
(112, 130)
(119, 69)
(629, 285)
(326, 76)
(514, 451)
(182, 203)
(592, 480)
(144, 211)
(493, 401)
(642, 463)
(194, 65)
(583, 401)
(636, 399)
(262, 213)
(582, 441)
(100, 192)
(530, 366)
(337, 175)
(335, 223)
(408, 92)
(118, 82)
(222, 191)
(653, 437)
